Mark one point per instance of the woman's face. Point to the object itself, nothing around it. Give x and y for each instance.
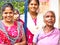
(8, 14)
(16, 15)
(33, 6)
(49, 19)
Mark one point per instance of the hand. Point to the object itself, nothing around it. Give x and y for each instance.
(17, 44)
(3, 44)
(29, 43)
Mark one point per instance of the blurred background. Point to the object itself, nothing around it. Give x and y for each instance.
(54, 5)
(18, 4)
(45, 5)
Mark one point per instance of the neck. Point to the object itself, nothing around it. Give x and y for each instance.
(7, 23)
(33, 14)
(47, 29)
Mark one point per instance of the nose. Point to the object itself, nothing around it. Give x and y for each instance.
(33, 5)
(8, 14)
(50, 18)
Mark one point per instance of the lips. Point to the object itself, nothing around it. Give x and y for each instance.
(51, 22)
(8, 18)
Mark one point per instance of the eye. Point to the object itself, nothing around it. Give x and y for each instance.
(5, 13)
(53, 16)
(31, 4)
(35, 4)
(14, 13)
(47, 16)
(11, 12)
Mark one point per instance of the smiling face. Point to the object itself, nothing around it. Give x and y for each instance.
(33, 6)
(8, 14)
(16, 15)
(49, 18)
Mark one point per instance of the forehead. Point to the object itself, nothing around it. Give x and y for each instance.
(49, 14)
(15, 12)
(33, 1)
(8, 9)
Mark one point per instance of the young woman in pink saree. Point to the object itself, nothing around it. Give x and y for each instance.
(48, 35)
(11, 33)
(32, 20)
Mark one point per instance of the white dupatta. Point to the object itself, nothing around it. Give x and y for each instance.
(31, 25)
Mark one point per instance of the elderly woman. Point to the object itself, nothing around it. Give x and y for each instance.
(48, 35)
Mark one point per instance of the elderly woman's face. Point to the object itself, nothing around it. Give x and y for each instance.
(49, 19)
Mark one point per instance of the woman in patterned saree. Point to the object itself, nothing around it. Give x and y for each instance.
(11, 33)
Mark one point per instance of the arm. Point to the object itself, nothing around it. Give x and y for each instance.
(35, 38)
(23, 41)
(34, 43)
(3, 44)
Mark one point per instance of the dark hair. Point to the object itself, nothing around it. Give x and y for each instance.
(31, 0)
(7, 5)
(16, 11)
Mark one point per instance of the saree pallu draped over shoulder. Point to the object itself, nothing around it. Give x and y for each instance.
(8, 39)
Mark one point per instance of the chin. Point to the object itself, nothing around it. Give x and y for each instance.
(8, 20)
(33, 10)
(51, 25)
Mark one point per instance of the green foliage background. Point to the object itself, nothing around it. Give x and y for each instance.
(17, 5)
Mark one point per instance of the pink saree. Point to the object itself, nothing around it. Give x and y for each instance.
(32, 27)
(51, 38)
(10, 35)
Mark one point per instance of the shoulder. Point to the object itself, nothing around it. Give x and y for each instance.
(19, 23)
(39, 32)
(1, 24)
(1, 28)
(57, 30)
(22, 17)
(0, 21)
